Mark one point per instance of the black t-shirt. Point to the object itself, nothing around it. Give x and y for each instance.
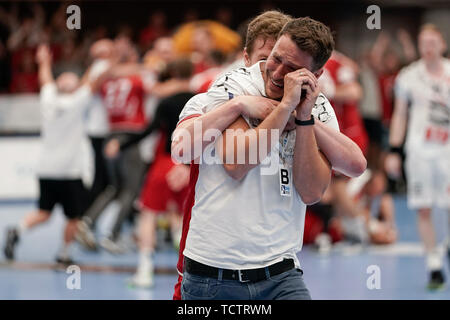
(166, 119)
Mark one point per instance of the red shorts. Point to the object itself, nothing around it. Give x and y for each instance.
(156, 194)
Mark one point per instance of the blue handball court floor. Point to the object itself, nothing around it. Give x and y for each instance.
(346, 273)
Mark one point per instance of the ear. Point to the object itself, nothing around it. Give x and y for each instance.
(247, 59)
(318, 73)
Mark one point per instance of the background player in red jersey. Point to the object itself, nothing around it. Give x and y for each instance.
(123, 92)
(165, 189)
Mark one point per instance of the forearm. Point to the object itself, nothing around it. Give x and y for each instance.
(311, 171)
(191, 132)
(398, 124)
(135, 139)
(343, 153)
(239, 158)
(45, 73)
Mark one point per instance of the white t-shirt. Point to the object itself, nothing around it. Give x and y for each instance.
(64, 142)
(429, 112)
(97, 117)
(246, 224)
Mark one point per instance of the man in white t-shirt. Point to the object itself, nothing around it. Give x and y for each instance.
(63, 154)
(247, 219)
(422, 112)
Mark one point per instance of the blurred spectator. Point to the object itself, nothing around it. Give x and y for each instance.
(5, 69)
(160, 55)
(24, 76)
(215, 63)
(190, 15)
(156, 28)
(199, 38)
(224, 15)
(70, 58)
(125, 31)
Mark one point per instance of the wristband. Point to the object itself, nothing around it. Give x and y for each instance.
(305, 123)
(398, 150)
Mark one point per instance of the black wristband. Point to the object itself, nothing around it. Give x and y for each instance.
(305, 123)
(398, 150)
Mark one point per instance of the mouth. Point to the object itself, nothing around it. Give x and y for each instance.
(277, 84)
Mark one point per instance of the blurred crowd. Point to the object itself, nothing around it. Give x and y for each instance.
(160, 63)
(25, 26)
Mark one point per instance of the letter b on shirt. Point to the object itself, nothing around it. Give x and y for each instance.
(284, 176)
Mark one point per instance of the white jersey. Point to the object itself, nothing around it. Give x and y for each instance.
(429, 112)
(64, 142)
(97, 117)
(254, 222)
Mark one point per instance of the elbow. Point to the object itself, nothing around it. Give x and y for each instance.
(358, 166)
(313, 194)
(311, 198)
(179, 154)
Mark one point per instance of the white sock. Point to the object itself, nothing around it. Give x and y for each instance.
(65, 251)
(434, 260)
(145, 260)
(21, 227)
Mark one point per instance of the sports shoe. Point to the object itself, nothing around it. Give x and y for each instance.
(142, 280)
(436, 281)
(66, 261)
(323, 243)
(85, 236)
(112, 246)
(12, 238)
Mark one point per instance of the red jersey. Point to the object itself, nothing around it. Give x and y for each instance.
(348, 116)
(124, 101)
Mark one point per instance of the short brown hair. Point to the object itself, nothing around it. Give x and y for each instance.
(311, 36)
(268, 25)
(181, 68)
(431, 27)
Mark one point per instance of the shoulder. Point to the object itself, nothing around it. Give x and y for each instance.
(447, 65)
(324, 112)
(49, 88)
(323, 109)
(236, 81)
(410, 70)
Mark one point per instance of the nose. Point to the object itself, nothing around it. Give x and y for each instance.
(279, 73)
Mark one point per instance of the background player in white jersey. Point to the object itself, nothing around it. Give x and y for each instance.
(64, 146)
(422, 112)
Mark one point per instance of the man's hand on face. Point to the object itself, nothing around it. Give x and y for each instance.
(294, 83)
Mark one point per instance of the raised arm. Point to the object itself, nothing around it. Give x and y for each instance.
(44, 61)
(311, 170)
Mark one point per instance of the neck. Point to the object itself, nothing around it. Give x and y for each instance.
(434, 66)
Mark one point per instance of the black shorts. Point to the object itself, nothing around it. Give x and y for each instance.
(69, 193)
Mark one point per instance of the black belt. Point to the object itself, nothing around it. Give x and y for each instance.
(249, 275)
